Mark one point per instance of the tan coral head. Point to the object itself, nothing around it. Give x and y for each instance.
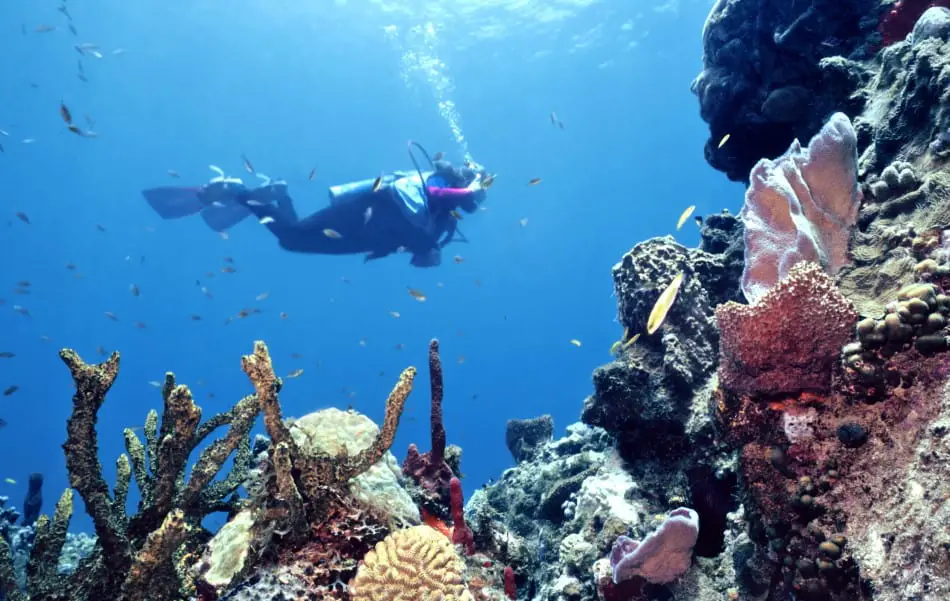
(415, 564)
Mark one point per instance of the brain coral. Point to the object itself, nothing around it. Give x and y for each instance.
(415, 564)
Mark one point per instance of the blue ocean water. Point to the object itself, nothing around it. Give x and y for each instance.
(338, 87)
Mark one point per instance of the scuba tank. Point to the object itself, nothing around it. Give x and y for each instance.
(344, 192)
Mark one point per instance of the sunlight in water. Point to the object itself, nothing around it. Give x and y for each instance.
(421, 64)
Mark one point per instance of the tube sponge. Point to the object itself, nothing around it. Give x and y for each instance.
(801, 206)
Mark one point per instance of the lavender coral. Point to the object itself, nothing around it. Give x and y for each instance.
(801, 207)
(661, 557)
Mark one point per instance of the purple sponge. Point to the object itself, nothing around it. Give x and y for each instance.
(801, 207)
(663, 556)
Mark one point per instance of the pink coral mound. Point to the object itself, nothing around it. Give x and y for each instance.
(801, 207)
(661, 557)
(788, 341)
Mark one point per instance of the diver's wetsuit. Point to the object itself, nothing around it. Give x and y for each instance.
(371, 223)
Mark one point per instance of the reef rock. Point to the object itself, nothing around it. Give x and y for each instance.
(644, 396)
(773, 70)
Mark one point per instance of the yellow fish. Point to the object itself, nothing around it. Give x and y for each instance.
(296, 373)
(417, 294)
(723, 141)
(663, 304)
(689, 211)
(615, 347)
(534, 181)
(332, 234)
(632, 341)
(575, 342)
(377, 183)
(9, 480)
(455, 214)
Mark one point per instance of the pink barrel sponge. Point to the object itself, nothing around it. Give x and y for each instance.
(801, 206)
(663, 556)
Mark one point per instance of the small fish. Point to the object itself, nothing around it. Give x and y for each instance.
(377, 183)
(455, 214)
(523, 222)
(206, 292)
(111, 315)
(575, 342)
(21, 291)
(438, 156)
(632, 341)
(62, 8)
(247, 164)
(228, 269)
(44, 29)
(95, 54)
(367, 215)
(64, 112)
(75, 129)
(723, 141)
(72, 29)
(3, 423)
(22, 217)
(27, 140)
(332, 234)
(101, 350)
(461, 359)
(663, 304)
(266, 220)
(229, 259)
(616, 347)
(119, 51)
(22, 310)
(224, 235)
(313, 174)
(487, 181)
(553, 118)
(262, 296)
(155, 383)
(283, 315)
(9, 480)
(71, 266)
(100, 227)
(10, 390)
(395, 314)
(417, 294)
(296, 356)
(296, 373)
(4, 133)
(458, 259)
(173, 173)
(24, 283)
(82, 77)
(7, 355)
(134, 290)
(195, 318)
(534, 181)
(689, 211)
(140, 325)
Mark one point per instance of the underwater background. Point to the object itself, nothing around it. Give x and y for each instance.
(338, 87)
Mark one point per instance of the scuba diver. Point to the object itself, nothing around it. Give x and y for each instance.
(415, 211)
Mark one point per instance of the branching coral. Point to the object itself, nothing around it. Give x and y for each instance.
(140, 556)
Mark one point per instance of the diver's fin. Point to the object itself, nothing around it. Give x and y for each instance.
(221, 217)
(174, 202)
